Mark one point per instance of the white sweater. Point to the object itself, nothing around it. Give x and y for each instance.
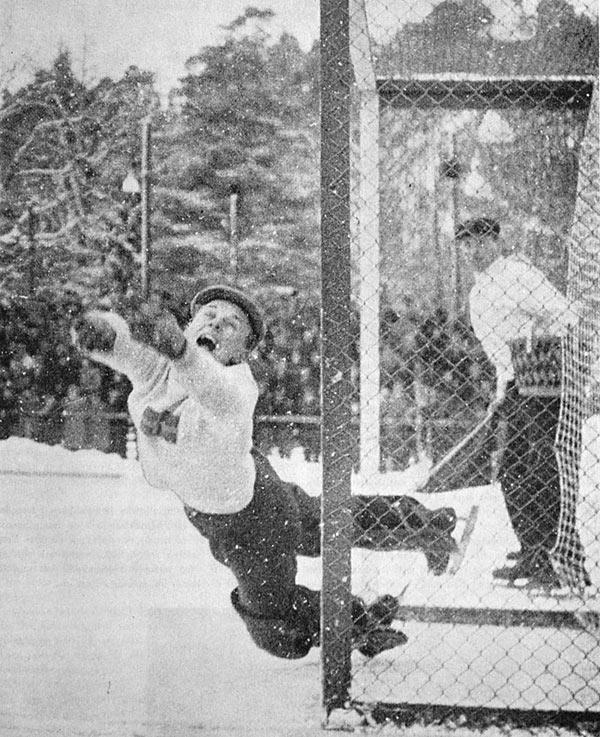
(209, 467)
(510, 300)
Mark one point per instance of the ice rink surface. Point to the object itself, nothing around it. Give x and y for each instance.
(115, 620)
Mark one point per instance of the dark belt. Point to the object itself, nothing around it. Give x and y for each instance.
(160, 424)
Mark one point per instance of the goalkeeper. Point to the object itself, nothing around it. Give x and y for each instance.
(192, 402)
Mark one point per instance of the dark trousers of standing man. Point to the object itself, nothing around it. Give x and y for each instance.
(259, 544)
(528, 471)
(530, 482)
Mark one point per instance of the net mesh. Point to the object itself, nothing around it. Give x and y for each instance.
(577, 444)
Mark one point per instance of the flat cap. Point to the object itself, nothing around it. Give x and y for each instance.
(236, 297)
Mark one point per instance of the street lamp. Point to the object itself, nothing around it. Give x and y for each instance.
(233, 233)
(132, 186)
(28, 224)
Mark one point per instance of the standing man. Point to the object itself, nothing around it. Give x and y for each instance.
(518, 315)
(192, 401)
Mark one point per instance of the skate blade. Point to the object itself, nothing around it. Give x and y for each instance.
(534, 589)
(457, 557)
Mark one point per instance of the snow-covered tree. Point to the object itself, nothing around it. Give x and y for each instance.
(64, 150)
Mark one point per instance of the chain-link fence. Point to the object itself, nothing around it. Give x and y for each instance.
(460, 329)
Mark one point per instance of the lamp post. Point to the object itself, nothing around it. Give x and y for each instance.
(28, 224)
(132, 186)
(233, 234)
(145, 175)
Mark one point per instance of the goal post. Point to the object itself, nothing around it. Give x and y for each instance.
(337, 436)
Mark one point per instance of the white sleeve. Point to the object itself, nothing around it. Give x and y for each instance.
(535, 294)
(140, 363)
(482, 315)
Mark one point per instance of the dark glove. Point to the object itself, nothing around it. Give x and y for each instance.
(163, 424)
(92, 333)
(156, 327)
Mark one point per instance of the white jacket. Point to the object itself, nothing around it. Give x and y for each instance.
(510, 300)
(209, 466)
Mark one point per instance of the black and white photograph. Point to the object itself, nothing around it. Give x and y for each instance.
(299, 368)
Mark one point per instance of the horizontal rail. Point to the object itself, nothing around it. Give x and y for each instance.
(493, 617)
(261, 419)
(487, 93)
(406, 714)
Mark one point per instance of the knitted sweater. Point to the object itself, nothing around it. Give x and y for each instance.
(209, 466)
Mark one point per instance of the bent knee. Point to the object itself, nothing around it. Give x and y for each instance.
(289, 638)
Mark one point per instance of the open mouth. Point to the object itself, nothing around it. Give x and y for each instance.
(204, 341)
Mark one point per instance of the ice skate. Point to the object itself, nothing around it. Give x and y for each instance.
(402, 523)
(373, 633)
(532, 573)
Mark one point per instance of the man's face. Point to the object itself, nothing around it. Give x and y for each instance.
(223, 329)
(479, 252)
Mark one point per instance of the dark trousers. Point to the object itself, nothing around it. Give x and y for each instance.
(528, 472)
(260, 543)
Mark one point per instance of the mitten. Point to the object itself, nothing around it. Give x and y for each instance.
(156, 327)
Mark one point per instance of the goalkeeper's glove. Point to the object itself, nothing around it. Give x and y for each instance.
(156, 327)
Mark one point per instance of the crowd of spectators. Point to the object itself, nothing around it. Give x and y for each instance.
(287, 368)
(45, 382)
(431, 373)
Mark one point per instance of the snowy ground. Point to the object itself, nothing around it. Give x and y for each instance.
(114, 619)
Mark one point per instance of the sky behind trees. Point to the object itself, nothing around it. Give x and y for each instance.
(107, 36)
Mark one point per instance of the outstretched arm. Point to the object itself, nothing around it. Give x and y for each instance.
(221, 389)
(156, 327)
(540, 298)
(106, 337)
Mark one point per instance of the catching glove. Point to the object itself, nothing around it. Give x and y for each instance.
(156, 327)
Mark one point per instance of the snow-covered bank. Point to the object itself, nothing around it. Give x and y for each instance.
(27, 456)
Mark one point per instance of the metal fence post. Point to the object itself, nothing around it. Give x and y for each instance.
(337, 445)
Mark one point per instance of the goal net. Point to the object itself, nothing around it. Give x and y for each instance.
(577, 547)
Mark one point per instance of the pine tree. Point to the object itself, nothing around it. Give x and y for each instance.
(247, 127)
(64, 151)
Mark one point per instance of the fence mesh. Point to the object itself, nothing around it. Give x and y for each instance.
(471, 327)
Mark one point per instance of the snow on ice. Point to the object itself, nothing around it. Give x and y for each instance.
(115, 619)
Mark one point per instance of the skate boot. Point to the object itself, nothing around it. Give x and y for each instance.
(534, 567)
(432, 533)
(403, 523)
(372, 632)
(443, 519)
